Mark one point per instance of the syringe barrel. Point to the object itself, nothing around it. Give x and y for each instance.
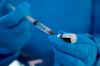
(40, 25)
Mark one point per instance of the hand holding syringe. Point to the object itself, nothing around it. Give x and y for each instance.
(35, 22)
(66, 37)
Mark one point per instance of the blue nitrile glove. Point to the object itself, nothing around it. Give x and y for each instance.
(97, 62)
(14, 32)
(82, 53)
(97, 40)
(3, 7)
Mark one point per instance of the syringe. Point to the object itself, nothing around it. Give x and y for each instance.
(35, 22)
(66, 37)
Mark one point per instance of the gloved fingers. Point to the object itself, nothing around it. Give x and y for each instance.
(13, 39)
(15, 16)
(81, 51)
(3, 7)
(84, 38)
(22, 26)
(67, 60)
(63, 46)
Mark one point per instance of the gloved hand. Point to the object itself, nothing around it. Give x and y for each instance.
(82, 53)
(3, 7)
(14, 29)
(97, 40)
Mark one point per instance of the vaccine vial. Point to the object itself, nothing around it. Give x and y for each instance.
(68, 37)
